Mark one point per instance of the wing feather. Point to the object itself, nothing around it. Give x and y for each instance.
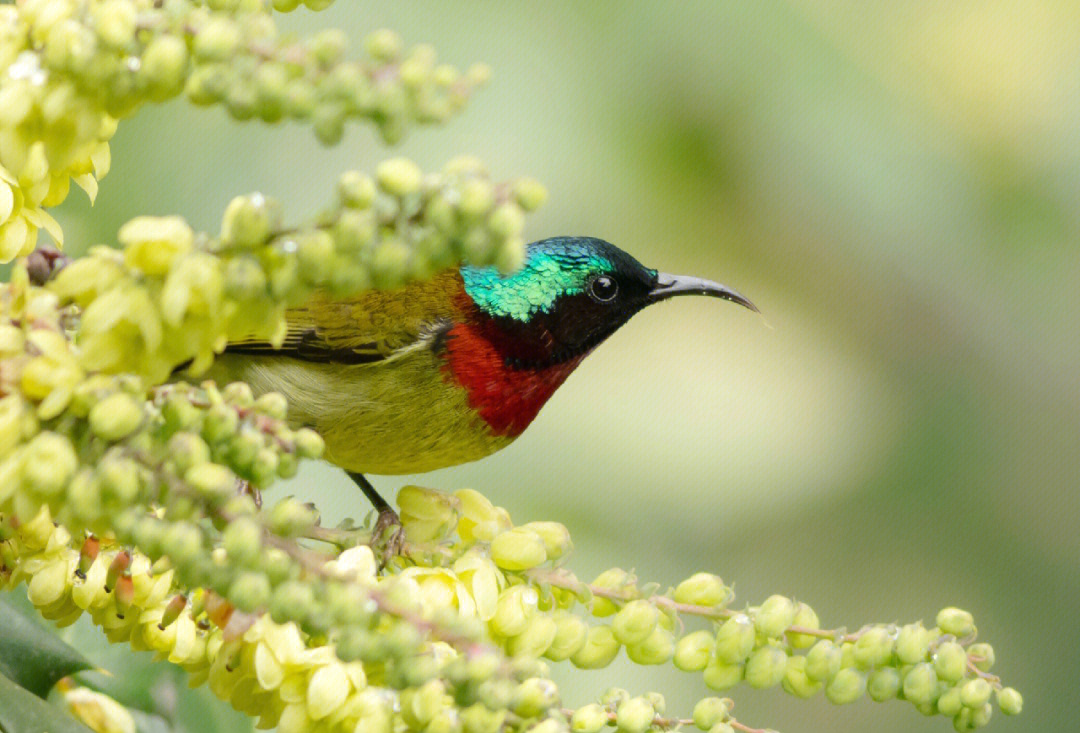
(371, 327)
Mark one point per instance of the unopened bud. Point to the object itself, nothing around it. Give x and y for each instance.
(774, 616)
(950, 661)
(883, 684)
(765, 667)
(846, 686)
(920, 684)
(874, 647)
(518, 549)
(588, 719)
(955, 621)
(735, 639)
(1010, 701)
(701, 589)
(634, 715)
(599, 650)
(635, 621)
(693, 650)
(711, 710)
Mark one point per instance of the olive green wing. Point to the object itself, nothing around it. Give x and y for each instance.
(366, 328)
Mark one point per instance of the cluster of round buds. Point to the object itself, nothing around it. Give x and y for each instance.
(384, 678)
(173, 296)
(69, 70)
(53, 128)
(778, 643)
(239, 61)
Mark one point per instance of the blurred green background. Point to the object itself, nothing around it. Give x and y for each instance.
(894, 183)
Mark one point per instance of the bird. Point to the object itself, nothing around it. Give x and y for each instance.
(451, 369)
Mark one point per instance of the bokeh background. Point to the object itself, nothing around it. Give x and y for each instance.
(895, 184)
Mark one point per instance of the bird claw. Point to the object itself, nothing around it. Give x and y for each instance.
(392, 544)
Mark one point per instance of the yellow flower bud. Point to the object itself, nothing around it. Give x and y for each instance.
(950, 662)
(711, 710)
(955, 621)
(615, 579)
(692, 651)
(701, 589)
(114, 22)
(477, 718)
(426, 514)
(477, 198)
(795, 680)
(735, 639)
(534, 696)
(518, 549)
(115, 417)
(635, 621)
(356, 563)
(514, 609)
(507, 220)
(383, 45)
(49, 583)
(766, 667)
(399, 176)
(556, 537)
(1010, 701)
(975, 693)
(720, 676)
(883, 683)
(151, 243)
(874, 647)
(535, 639)
(570, 634)
(634, 715)
(657, 648)
(774, 616)
(420, 704)
(599, 650)
(374, 713)
(920, 683)
(912, 644)
(530, 193)
(49, 463)
(588, 719)
(847, 686)
(480, 519)
(99, 712)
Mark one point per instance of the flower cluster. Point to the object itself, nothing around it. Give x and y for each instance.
(69, 69)
(172, 295)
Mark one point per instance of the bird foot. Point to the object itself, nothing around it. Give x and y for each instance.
(387, 545)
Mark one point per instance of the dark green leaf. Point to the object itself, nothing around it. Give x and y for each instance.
(23, 712)
(31, 655)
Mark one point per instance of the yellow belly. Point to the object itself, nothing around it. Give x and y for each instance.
(390, 417)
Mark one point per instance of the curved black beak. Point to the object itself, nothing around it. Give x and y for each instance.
(668, 286)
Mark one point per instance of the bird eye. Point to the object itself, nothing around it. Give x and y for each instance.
(603, 288)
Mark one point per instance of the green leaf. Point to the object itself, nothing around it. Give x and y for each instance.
(23, 712)
(31, 656)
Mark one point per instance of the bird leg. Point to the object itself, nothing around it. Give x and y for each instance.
(388, 519)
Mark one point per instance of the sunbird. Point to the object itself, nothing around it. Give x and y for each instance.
(451, 369)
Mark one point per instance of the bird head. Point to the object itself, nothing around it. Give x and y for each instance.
(571, 294)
